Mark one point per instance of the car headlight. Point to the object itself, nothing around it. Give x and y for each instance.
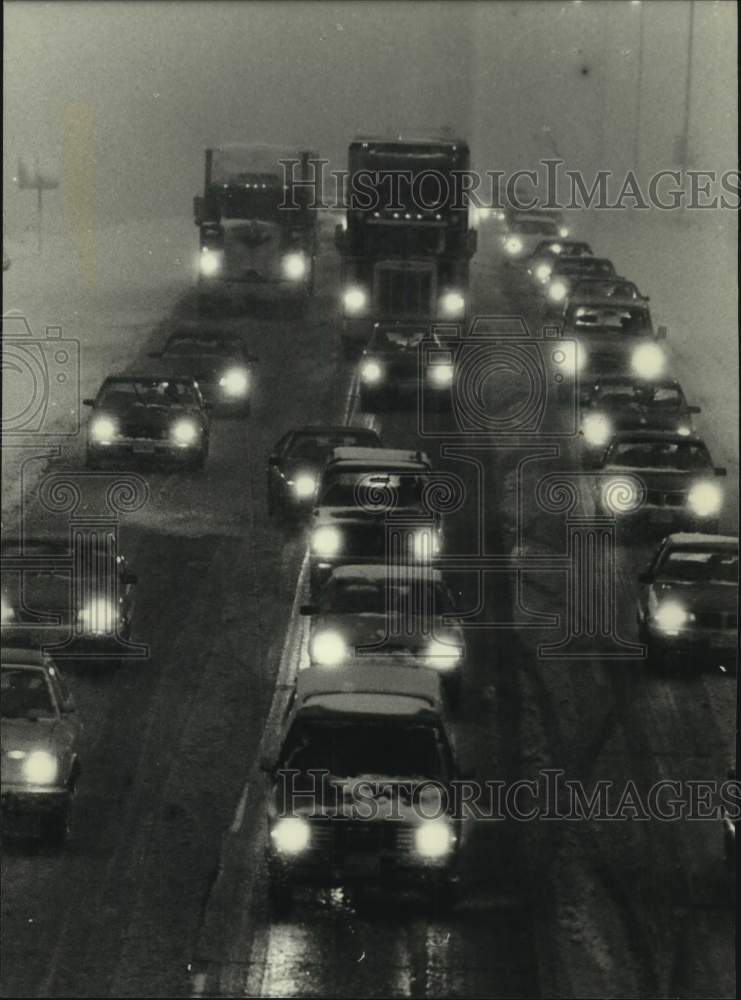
(355, 300)
(705, 499)
(210, 262)
(304, 485)
(621, 495)
(452, 304)
(556, 247)
(235, 382)
(597, 429)
(442, 655)
(291, 835)
(7, 614)
(294, 266)
(648, 361)
(671, 616)
(513, 245)
(543, 272)
(98, 616)
(184, 432)
(684, 431)
(557, 291)
(328, 648)
(433, 839)
(425, 545)
(563, 232)
(103, 430)
(326, 541)
(441, 375)
(371, 372)
(40, 768)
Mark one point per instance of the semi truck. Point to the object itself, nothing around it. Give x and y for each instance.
(256, 222)
(407, 237)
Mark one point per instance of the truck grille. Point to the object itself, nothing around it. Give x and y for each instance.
(404, 293)
(666, 498)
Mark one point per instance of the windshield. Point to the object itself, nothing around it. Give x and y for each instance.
(628, 320)
(380, 597)
(594, 289)
(25, 693)
(373, 489)
(154, 392)
(318, 446)
(348, 751)
(582, 265)
(682, 456)
(639, 394)
(698, 565)
(398, 338)
(194, 346)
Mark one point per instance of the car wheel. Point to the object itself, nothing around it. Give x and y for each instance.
(368, 403)
(350, 348)
(280, 894)
(92, 461)
(445, 896)
(656, 658)
(453, 692)
(198, 463)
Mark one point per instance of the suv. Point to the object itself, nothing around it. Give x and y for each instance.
(40, 745)
(361, 784)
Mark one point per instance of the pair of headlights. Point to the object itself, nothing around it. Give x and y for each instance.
(452, 303)
(183, 432)
(97, 617)
(433, 839)
(598, 430)
(441, 375)
(329, 649)
(622, 495)
(327, 542)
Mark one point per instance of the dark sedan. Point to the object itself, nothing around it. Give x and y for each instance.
(298, 458)
(400, 361)
(219, 363)
(142, 417)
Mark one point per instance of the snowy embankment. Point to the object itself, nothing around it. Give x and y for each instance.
(687, 263)
(105, 291)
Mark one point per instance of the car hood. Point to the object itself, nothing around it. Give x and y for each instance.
(372, 630)
(662, 479)
(636, 417)
(385, 797)
(154, 418)
(202, 369)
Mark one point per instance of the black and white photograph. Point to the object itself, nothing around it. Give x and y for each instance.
(370, 499)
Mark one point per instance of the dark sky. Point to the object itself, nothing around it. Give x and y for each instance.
(125, 96)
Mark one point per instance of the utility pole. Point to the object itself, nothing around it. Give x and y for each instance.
(38, 182)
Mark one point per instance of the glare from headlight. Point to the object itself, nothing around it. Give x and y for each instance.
(328, 649)
(597, 429)
(235, 382)
(371, 372)
(326, 541)
(442, 655)
(103, 430)
(705, 499)
(513, 245)
(7, 614)
(563, 232)
(671, 616)
(291, 835)
(355, 300)
(210, 262)
(648, 361)
(40, 768)
(304, 485)
(433, 839)
(426, 545)
(441, 375)
(543, 272)
(184, 432)
(556, 247)
(684, 431)
(557, 291)
(294, 266)
(452, 304)
(99, 616)
(571, 357)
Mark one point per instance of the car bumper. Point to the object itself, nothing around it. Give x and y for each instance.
(143, 449)
(377, 868)
(695, 643)
(22, 798)
(63, 641)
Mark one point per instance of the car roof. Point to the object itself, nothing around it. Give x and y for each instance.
(30, 657)
(690, 539)
(336, 429)
(410, 140)
(595, 301)
(375, 573)
(338, 516)
(149, 377)
(389, 682)
(586, 260)
(393, 456)
(667, 383)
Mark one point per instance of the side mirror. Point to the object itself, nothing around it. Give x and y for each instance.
(645, 577)
(309, 609)
(68, 706)
(129, 579)
(273, 460)
(88, 402)
(694, 409)
(661, 333)
(721, 471)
